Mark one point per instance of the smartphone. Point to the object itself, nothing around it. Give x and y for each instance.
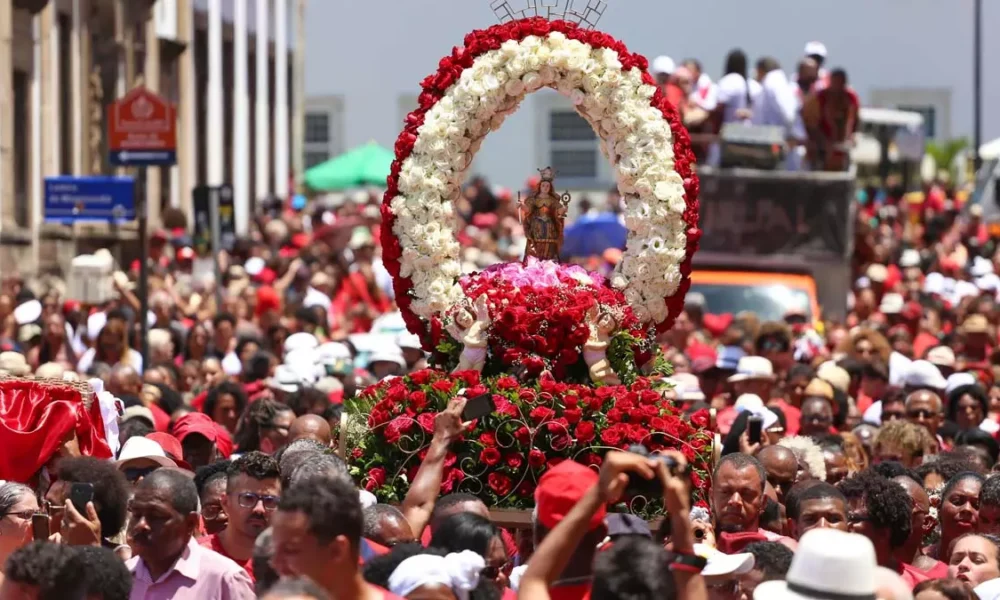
(755, 424)
(80, 494)
(477, 407)
(40, 527)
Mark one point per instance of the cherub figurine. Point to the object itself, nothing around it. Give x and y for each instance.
(595, 351)
(471, 331)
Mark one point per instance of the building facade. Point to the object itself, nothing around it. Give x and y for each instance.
(62, 62)
(910, 54)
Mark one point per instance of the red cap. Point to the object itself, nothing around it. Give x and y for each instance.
(912, 311)
(560, 488)
(185, 253)
(267, 299)
(171, 446)
(223, 441)
(199, 423)
(70, 306)
(300, 240)
(717, 324)
(288, 252)
(159, 236)
(267, 276)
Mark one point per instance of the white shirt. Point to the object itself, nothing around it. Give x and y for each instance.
(778, 105)
(732, 92)
(705, 94)
(134, 360)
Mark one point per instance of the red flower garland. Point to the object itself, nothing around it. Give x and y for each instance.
(450, 69)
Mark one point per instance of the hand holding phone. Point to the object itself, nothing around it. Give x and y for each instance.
(40, 527)
(80, 494)
(478, 407)
(755, 425)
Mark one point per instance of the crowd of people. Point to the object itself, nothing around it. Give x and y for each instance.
(857, 457)
(815, 109)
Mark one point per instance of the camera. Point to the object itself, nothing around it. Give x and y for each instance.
(649, 488)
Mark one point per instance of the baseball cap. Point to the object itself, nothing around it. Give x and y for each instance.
(923, 374)
(627, 524)
(662, 65)
(877, 273)
(138, 412)
(185, 253)
(941, 356)
(28, 312)
(892, 304)
(558, 491)
(140, 449)
(171, 446)
(909, 258)
(815, 49)
(721, 564)
(198, 423)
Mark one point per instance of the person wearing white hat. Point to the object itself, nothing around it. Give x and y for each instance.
(141, 456)
(892, 304)
(413, 350)
(828, 565)
(28, 312)
(662, 68)
(922, 374)
(285, 380)
(387, 361)
(754, 375)
(300, 341)
(909, 259)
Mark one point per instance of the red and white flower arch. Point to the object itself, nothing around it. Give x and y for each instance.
(472, 92)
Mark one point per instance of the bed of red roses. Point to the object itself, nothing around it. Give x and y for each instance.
(536, 425)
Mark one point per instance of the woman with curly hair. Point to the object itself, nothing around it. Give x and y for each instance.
(865, 345)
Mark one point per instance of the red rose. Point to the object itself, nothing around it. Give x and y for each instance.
(527, 395)
(526, 489)
(573, 415)
(490, 456)
(488, 439)
(546, 398)
(470, 378)
(506, 383)
(378, 476)
(418, 400)
(426, 420)
(611, 436)
(696, 480)
(523, 435)
(357, 453)
(504, 407)
(637, 434)
(533, 365)
(571, 400)
(443, 386)
(536, 458)
(585, 432)
(514, 461)
(700, 419)
(378, 418)
(615, 415)
(541, 414)
(699, 443)
(476, 390)
(500, 484)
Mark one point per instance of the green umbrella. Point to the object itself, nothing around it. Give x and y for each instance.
(365, 165)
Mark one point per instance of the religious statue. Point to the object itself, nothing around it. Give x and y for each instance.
(471, 329)
(595, 352)
(543, 213)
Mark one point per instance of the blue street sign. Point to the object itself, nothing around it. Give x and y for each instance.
(143, 158)
(69, 199)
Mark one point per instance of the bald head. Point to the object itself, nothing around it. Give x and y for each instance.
(310, 427)
(916, 492)
(781, 466)
(124, 381)
(923, 408)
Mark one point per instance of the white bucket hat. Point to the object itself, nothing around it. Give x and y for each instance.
(828, 564)
(753, 367)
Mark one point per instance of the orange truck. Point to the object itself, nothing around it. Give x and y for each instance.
(775, 242)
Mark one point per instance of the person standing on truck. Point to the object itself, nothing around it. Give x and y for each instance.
(735, 96)
(831, 118)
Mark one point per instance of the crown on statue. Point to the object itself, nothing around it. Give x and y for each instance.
(585, 13)
(547, 174)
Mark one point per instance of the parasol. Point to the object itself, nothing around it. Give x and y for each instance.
(364, 165)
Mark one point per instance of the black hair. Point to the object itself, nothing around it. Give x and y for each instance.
(951, 589)
(263, 551)
(801, 370)
(224, 317)
(772, 559)
(976, 391)
(978, 437)
(245, 341)
(331, 506)
(445, 503)
(890, 469)
(170, 399)
(736, 62)
(183, 492)
(634, 568)
(304, 399)
(134, 427)
(742, 461)
(842, 408)
(296, 454)
(829, 441)
(876, 369)
(111, 489)
(948, 465)
(378, 570)
(107, 576)
(465, 531)
(839, 72)
(957, 479)
(768, 64)
(258, 367)
(324, 465)
(731, 443)
(298, 587)
(226, 387)
(820, 490)
(333, 412)
(373, 518)
(989, 494)
(305, 315)
(204, 476)
(887, 503)
(257, 418)
(255, 465)
(771, 512)
(56, 569)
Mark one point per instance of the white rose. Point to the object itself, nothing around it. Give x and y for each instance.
(619, 281)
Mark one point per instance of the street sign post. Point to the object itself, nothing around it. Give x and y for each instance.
(142, 130)
(77, 199)
(214, 223)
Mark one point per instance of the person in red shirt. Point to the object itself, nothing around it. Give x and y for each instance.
(880, 510)
(922, 523)
(253, 488)
(317, 534)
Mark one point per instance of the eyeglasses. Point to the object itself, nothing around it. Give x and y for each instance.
(250, 500)
(134, 474)
(24, 515)
(920, 414)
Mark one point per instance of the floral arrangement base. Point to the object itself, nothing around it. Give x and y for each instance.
(536, 425)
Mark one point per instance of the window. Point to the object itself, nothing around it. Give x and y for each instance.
(573, 146)
(317, 128)
(929, 113)
(315, 158)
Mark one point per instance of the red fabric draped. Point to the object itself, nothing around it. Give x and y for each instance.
(36, 418)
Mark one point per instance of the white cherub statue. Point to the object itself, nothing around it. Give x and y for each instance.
(595, 351)
(471, 330)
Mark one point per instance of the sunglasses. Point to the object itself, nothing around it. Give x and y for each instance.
(920, 414)
(494, 572)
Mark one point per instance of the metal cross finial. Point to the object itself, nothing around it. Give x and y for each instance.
(585, 13)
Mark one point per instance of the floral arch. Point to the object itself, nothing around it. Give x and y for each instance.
(472, 92)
